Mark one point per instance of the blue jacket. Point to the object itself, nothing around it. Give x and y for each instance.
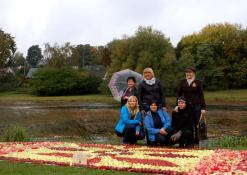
(149, 124)
(125, 120)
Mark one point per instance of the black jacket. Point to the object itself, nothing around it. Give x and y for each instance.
(193, 93)
(182, 120)
(148, 93)
(128, 93)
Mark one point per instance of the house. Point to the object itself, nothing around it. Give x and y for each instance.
(96, 70)
(7, 70)
(31, 72)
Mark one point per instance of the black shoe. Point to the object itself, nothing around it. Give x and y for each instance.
(181, 145)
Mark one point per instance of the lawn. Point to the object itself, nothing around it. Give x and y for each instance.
(212, 97)
(10, 168)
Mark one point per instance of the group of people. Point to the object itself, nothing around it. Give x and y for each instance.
(144, 113)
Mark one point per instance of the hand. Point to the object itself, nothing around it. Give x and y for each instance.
(176, 136)
(126, 97)
(140, 123)
(137, 133)
(143, 113)
(164, 108)
(163, 131)
(176, 109)
(203, 111)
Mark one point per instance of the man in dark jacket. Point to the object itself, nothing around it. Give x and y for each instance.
(182, 124)
(192, 90)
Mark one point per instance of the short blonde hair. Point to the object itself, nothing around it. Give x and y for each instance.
(148, 69)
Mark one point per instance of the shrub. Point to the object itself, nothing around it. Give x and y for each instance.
(8, 82)
(103, 88)
(65, 81)
(15, 133)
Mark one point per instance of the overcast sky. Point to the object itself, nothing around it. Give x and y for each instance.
(98, 22)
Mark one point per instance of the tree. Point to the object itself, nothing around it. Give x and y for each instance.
(34, 55)
(147, 48)
(219, 53)
(58, 56)
(7, 48)
(19, 59)
(84, 55)
(104, 55)
(20, 63)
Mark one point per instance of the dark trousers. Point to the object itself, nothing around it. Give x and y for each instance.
(161, 139)
(186, 138)
(196, 117)
(129, 134)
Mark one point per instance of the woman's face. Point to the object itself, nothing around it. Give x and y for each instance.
(132, 103)
(181, 104)
(189, 74)
(131, 83)
(153, 107)
(148, 75)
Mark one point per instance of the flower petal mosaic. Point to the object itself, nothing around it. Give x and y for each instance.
(156, 160)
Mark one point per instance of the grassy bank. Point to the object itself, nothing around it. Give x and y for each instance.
(212, 97)
(9, 168)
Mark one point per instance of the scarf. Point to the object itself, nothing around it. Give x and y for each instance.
(189, 81)
(149, 82)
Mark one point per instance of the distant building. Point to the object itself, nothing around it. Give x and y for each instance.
(31, 72)
(42, 63)
(96, 70)
(7, 70)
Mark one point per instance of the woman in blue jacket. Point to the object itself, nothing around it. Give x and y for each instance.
(129, 125)
(158, 125)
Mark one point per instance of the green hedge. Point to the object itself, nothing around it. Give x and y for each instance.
(8, 82)
(65, 81)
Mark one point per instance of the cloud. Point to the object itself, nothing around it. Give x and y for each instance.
(97, 22)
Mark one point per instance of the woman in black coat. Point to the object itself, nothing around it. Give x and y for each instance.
(182, 124)
(192, 90)
(150, 89)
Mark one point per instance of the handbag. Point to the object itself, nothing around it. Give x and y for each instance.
(202, 128)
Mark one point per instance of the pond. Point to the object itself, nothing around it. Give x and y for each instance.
(95, 122)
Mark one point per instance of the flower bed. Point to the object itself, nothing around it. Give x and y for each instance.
(128, 158)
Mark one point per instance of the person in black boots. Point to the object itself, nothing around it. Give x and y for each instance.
(158, 125)
(192, 90)
(182, 124)
(129, 126)
(131, 90)
(150, 89)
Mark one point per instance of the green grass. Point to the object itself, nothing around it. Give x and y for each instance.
(211, 97)
(15, 96)
(229, 142)
(9, 168)
(233, 95)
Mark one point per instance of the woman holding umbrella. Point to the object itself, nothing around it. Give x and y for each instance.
(131, 90)
(129, 125)
(150, 89)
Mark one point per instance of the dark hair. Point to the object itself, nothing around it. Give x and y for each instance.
(190, 68)
(131, 78)
(154, 102)
(182, 98)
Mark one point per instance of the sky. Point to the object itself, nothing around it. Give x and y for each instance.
(97, 22)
